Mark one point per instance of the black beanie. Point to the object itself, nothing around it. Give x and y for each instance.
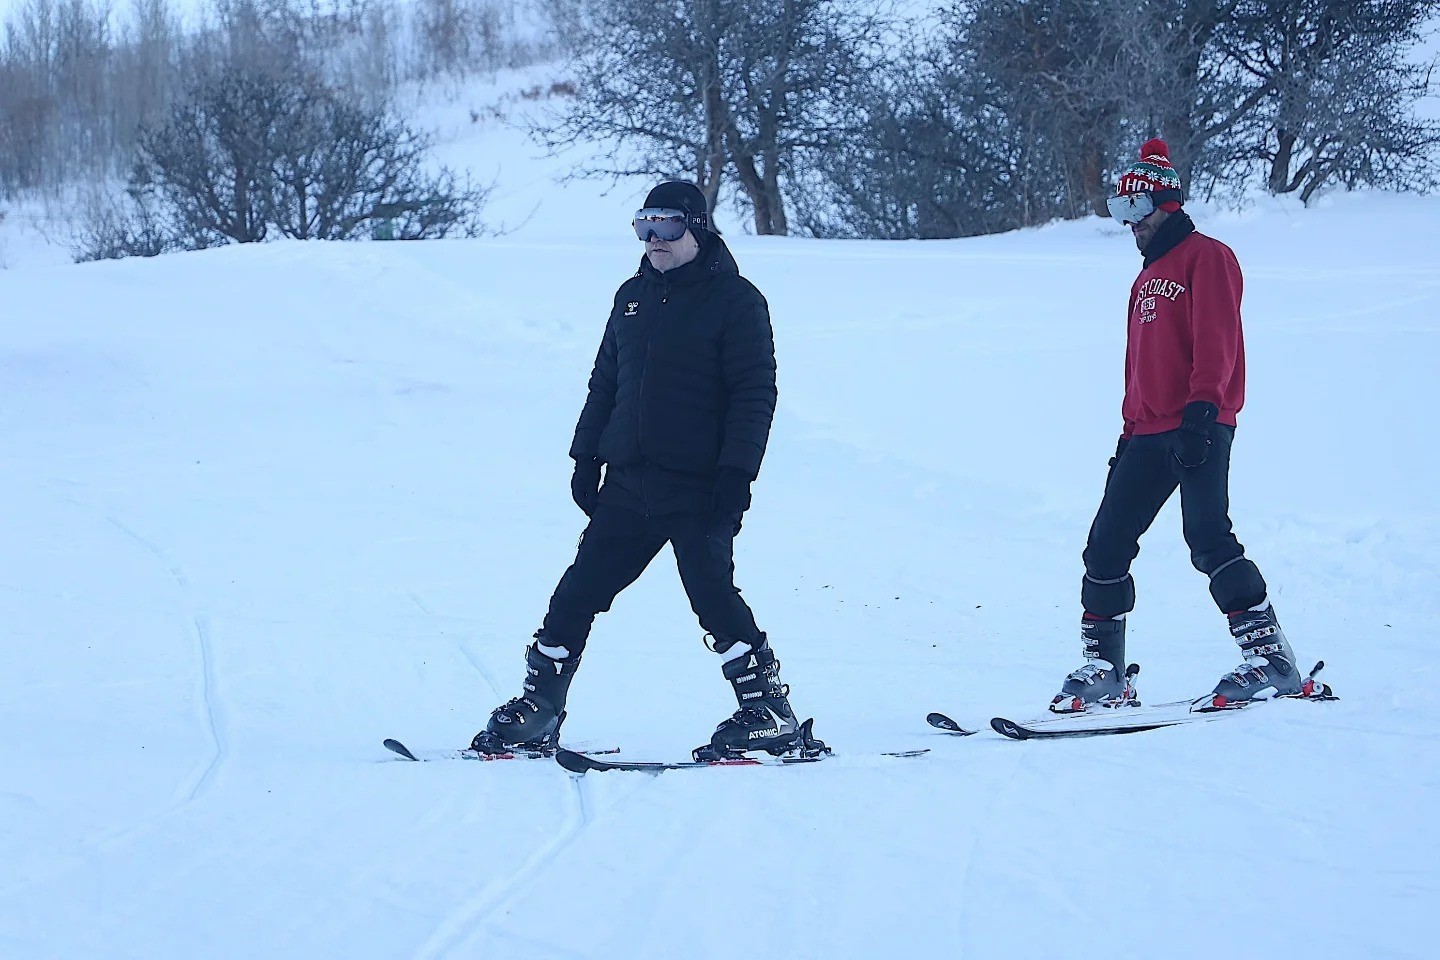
(681, 195)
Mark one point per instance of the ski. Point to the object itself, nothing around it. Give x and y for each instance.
(581, 763)
(944, 724)
(587, 763)
(1134, 720)
(806, 750)
(1130, 718)
(1138, 718)
(1110, 722)
(395, 746)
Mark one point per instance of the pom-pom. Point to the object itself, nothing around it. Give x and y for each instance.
(1154, 148)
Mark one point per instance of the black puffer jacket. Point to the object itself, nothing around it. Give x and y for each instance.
(684, 382)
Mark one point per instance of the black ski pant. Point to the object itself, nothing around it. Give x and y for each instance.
(615, 549)
(1143, 478)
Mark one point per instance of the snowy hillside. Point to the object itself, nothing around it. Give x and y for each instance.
(264, 506)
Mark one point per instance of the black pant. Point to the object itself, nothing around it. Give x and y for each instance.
(616, 548)
(1144, 477)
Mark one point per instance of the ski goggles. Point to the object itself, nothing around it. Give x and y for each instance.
(661, 222)
(1133, 207)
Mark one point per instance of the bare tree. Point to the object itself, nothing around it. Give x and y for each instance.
(56, 68)
(445, 36)
(1368, 139)
(28, 107)
(1339, 92)
(342, 169)
(143, 82)
(248, 153)
(210, 163)
(130, 228)
(1075, 74)
(1304, 88)
(925, 156)
(77, 82)
(1314, 88)
(710, 88)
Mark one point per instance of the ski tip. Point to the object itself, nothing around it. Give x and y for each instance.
(1009, 728)
(395, 746)
(575, 762)
(941, 722)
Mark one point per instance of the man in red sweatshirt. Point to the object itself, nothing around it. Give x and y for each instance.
(1184, 385)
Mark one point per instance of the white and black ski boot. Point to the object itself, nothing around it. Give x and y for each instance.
(1099, 683)
(531, 722)
(764, 720)
(1269, 669)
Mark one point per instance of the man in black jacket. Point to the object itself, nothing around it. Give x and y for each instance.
(678, 413)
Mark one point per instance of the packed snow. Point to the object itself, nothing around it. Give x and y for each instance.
(264, 506)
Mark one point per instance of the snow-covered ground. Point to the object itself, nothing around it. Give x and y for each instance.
(264, 506)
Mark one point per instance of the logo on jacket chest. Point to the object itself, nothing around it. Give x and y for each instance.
(1149, 294)
(632, 308)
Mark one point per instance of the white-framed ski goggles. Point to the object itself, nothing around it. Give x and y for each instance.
(662, 222)
(1133, 207)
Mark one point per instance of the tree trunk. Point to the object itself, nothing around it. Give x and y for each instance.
(761, 196)
(1092, 180)
(1178, 125)
(754, 188)
(764, 194)
(779, 224)
(1279, 180)
(716, 118)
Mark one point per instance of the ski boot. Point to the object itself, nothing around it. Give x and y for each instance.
(1099, 682)
(764, 720)
(530, 723)
(1269, 669)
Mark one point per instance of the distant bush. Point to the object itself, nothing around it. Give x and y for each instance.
(248, 155)
(80, 78)
(111, 231)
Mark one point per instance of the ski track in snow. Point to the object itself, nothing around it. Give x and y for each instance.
(376, 422)
(479, 666)
(192, 788)
(477, 914)
(993, 803)
(475, 662)
(187, 790)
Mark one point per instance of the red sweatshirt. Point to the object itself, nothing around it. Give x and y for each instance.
(1183, 339)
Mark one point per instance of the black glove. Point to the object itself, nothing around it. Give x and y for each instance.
(1119, 450)
(1191, 442)
(732, 492)
(585, 484)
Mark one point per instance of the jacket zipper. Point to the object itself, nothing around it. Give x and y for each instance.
(650, 329)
